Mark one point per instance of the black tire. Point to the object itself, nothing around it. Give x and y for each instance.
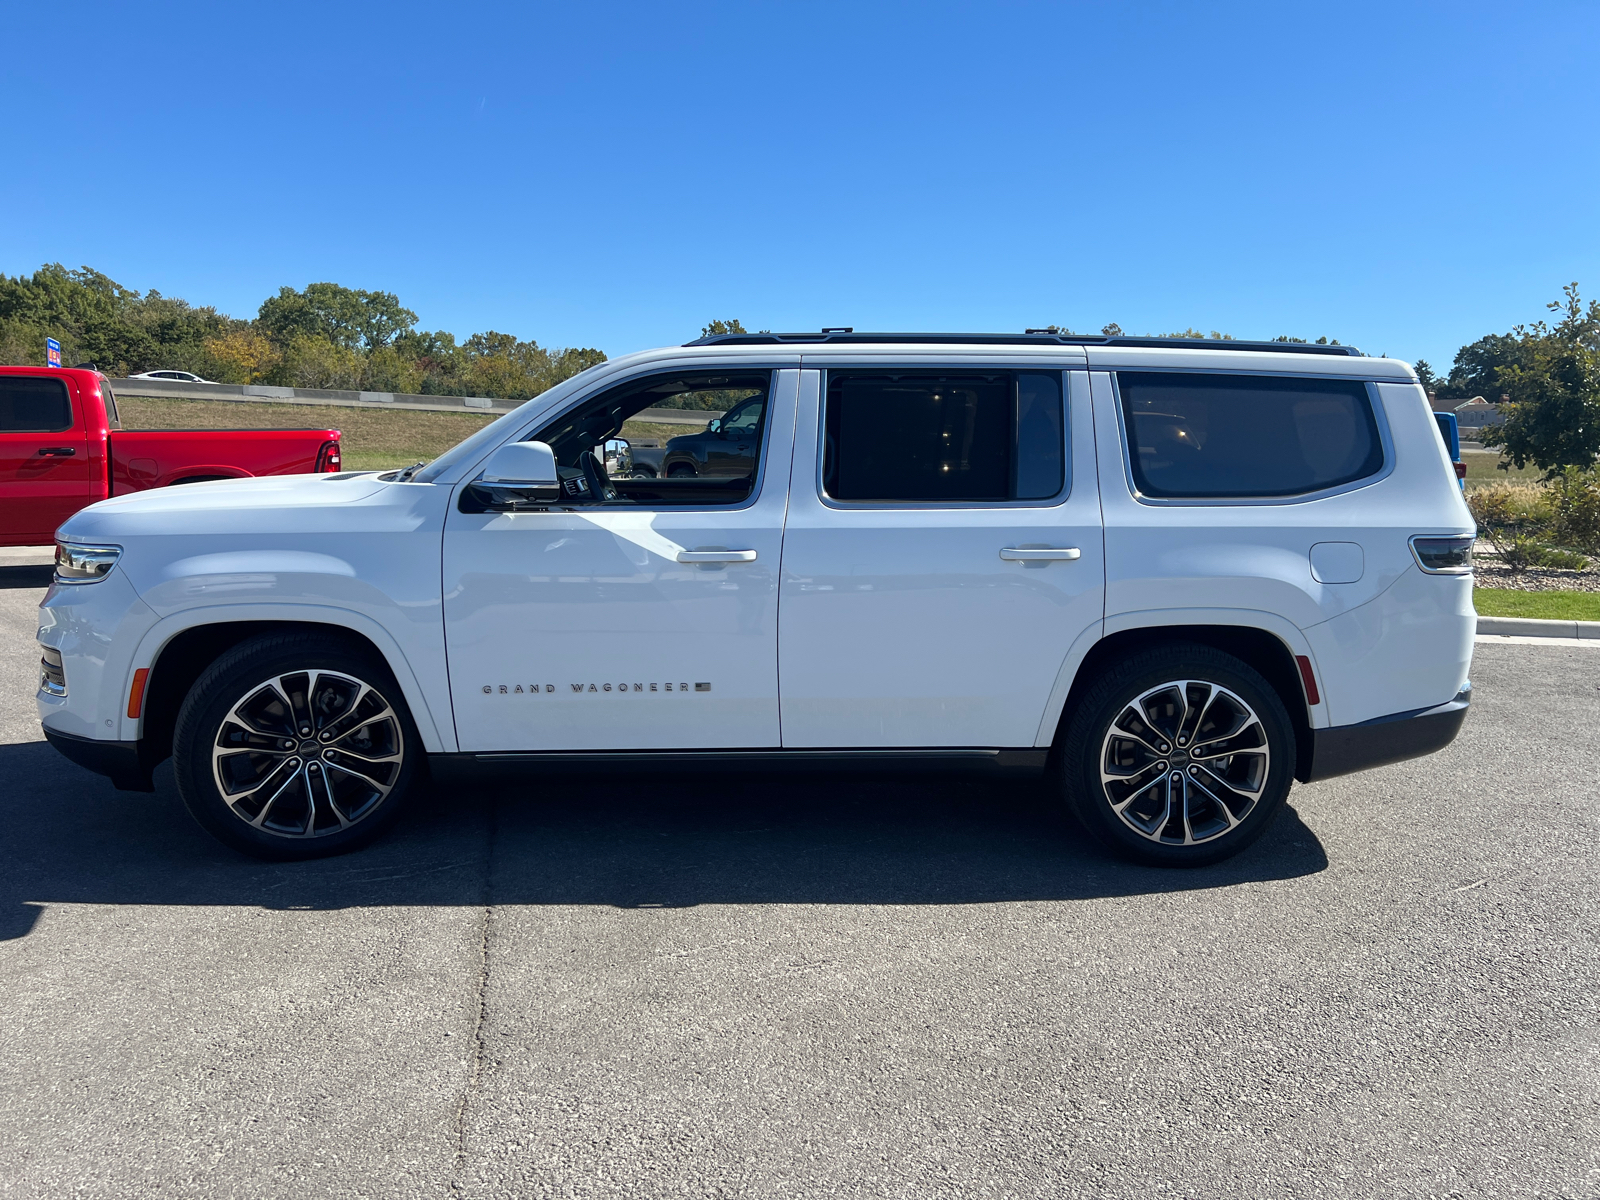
(680, 470)
(341, 795)
(1176, 811)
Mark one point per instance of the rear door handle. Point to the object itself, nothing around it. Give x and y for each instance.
(57, 451)
(712, 556)
(1064, 554)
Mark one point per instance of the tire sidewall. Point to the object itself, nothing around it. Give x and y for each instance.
(1131, 677)
(226, 682)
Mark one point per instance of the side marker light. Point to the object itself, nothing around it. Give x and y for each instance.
(136, 692)
(1307, 678)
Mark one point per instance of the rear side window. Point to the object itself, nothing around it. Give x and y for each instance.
(951, 437)
(30, 404)
(1195, 436)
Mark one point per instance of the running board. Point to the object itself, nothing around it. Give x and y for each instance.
(1029, 761)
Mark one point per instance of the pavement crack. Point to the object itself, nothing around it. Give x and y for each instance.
(477, 1058)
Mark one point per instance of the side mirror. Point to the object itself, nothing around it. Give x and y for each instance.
(618, 457)
(517, 476)
(715, 426)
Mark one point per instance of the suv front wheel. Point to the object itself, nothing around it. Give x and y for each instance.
(294, 746)
(1178, 756)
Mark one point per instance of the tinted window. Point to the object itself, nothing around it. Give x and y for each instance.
(113, 419)
(30, 404)
(1201, 436)
(919, 436)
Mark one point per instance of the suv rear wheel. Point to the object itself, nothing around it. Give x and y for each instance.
(295, 746)
(1178, 756)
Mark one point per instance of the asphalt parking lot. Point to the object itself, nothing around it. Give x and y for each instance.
(814, 985)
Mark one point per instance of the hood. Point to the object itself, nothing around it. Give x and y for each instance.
(223, 502)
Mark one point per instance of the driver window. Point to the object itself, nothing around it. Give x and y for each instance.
(649, 442)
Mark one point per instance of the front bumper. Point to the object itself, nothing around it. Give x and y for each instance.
(121, 761)
(1343, 749)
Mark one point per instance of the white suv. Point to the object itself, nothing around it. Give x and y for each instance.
(1175, 575)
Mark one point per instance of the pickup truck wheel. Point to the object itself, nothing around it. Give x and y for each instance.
(680, 470)
(1178, 756)
(295, 746)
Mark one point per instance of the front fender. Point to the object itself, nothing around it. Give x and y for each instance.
(432, 719)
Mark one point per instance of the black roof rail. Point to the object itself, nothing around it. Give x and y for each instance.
(850, 337)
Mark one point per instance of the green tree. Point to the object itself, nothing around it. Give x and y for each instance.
(1477, 367)
(717, 328)
(1552, 376)
(347, 317)
(1425, 376)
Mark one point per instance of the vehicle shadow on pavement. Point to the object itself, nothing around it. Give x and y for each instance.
(29, 575)
(624, 841)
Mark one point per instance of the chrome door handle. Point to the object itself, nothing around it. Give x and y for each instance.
(1064, 554)
(705, 556)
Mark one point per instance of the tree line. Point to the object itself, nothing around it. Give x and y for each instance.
(329, 336)
(322, 336)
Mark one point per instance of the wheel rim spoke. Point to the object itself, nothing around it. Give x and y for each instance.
(307, 753)
(1184, 762)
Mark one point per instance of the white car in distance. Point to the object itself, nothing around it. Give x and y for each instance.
(1174, 575)
(171, 376)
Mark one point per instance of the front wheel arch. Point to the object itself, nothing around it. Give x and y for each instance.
(185, 657)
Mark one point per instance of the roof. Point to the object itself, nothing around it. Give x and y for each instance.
(845, 336)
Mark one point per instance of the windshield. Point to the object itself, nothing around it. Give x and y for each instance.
(466, 451)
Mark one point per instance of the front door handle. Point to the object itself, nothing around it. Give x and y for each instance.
(1064, 554)
(57, 451)
(715, 556)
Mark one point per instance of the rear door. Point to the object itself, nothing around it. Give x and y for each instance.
(943, 555)
(45, 465)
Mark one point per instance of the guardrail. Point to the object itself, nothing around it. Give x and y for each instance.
(255, 393)
(258, 393)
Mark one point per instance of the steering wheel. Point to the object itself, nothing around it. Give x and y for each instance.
(594, 474)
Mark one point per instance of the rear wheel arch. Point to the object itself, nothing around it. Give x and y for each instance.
(1261, 649)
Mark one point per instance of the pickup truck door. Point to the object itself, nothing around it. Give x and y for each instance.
(583, 629)
(927, 625)
(45, 468)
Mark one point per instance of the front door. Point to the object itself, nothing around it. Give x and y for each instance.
(44, 458)
(943, 555)
(642, 616)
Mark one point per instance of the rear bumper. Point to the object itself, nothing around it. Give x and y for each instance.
(1343, 749)
(120, 761)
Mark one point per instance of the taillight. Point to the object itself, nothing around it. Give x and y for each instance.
(328, 457)
(1461, 470)
(1443, 555)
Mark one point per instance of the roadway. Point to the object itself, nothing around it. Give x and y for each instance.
(806, 986)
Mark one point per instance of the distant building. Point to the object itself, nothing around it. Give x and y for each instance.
(1477, 412)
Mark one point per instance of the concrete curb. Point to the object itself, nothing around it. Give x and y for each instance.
(1533, 627)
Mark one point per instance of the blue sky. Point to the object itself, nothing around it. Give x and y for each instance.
(1406, 177)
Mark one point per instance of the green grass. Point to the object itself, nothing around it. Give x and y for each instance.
(1483, 467)
(1549, 606)
(371, 439)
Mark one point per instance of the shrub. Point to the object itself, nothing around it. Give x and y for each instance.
(1575, 509)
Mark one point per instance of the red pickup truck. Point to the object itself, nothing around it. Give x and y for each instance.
(62, 447)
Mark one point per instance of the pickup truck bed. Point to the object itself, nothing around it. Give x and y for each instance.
(62, 448)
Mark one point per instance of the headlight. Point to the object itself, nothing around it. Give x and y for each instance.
(84, 564)
(1443, 555)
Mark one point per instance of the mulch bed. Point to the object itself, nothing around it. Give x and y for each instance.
(1487, 572)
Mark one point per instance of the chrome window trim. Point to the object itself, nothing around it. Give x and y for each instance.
(1055, 501)
(1380, 417)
